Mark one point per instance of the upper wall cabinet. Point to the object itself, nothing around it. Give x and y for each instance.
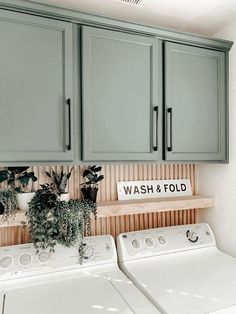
(121, 93)
(195, 104)
(35, 88)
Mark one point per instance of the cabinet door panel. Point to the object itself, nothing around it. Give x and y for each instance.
(36, 79)
(195, 103)
(119, 95)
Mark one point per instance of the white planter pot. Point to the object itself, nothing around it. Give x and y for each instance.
(23, 199)
(65, 197)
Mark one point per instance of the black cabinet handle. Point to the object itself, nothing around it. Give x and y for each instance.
(155, 147)
(68, 102)
(169, 128)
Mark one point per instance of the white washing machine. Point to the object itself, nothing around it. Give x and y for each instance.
(180, 269)
(58, 284)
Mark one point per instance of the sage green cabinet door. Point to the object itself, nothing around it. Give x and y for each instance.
(35, 83)
(195, 104)
(120, 95)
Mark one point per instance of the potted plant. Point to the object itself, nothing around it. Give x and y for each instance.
(52, 221)
(19, 179)
(8, 204)
(59, 183)
(91, 178)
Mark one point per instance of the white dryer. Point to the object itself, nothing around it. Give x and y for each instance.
(180, 269)
(58, 284)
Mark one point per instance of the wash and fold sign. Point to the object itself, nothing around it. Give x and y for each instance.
(152, 189)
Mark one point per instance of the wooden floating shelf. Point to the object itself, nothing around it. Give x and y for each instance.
(120, 208)
(131, 207)
(17, 221)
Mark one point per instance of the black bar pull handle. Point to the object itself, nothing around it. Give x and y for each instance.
(155, 129)
(169, 128)
(68, 102)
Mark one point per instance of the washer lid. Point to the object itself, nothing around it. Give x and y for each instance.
(227, 310)
(89, 294)
(197, 282)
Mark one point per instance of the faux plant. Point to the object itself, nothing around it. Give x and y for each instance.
(17, 178)
(8, 205)
(59, 181)
(52, 221)
(91, 176)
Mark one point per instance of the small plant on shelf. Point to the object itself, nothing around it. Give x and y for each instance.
(59, 183)
(91, 177)
(8, 205)
(52, 221)
(20, 180)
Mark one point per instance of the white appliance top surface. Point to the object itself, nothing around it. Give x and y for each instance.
(187, 282)
(197, 280)
(86, 295)
(102, 289)
(227, 310)
(56, 283)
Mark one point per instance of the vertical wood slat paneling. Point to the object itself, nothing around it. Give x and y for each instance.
(108, 192)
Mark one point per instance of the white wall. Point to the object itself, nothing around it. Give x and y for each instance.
(220, 180)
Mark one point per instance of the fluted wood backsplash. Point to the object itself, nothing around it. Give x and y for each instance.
(107, 192)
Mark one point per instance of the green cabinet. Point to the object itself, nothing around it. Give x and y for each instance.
(121, 94)
(195, 104)
(143, 98)
(125, 81)
(35, 89)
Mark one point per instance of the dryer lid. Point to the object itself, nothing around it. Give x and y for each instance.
(89, 294)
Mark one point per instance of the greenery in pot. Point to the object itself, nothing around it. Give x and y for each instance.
(52, 221)
(19, 179)
(59, 181)
(8, 204)
(91, 177)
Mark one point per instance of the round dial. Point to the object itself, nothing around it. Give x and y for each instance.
(25, 259)
(149, 242)
(136, 244)
(162, 240)
(6, 261)
(44, 257)
(192, 236)
(88, 251)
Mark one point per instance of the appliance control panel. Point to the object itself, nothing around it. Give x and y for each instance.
(22, 260)
(152, 242)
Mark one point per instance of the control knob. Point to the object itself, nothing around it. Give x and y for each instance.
(192, 236)
(149, 242)
(88, 251)
(6, 261)
(25, 259)
(162, 240)
(44, 257)
(136, 244)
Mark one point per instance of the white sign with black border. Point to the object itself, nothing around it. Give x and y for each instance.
(130, 190)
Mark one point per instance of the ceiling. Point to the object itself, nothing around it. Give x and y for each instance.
(205, 17)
